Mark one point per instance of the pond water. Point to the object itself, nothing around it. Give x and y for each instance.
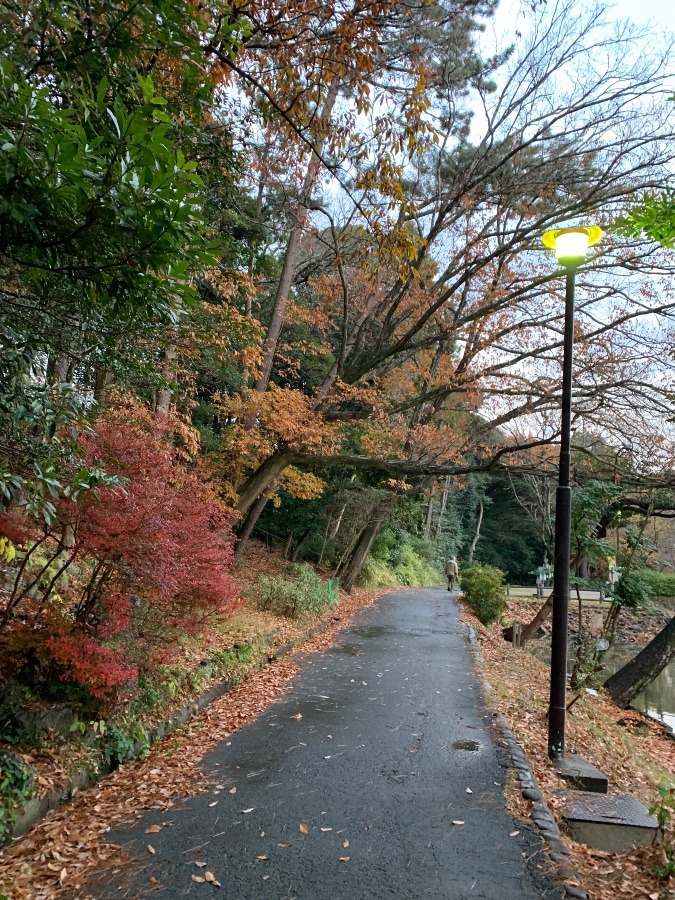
(657, 700)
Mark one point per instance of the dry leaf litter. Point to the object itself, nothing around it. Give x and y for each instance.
(634, 762)
(60, 855)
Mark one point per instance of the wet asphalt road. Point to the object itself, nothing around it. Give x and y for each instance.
(392, 734)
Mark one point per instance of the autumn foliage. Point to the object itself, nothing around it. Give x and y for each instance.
(149, 562)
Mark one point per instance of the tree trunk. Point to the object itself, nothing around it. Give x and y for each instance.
(624, 686)
(472, 548)
(57, 368)
(262, 478)
(325, 541)
(281, 299)
(346, 553)
(338, 522)
(165, 393)
(542, 615)
(287, 544)
(441, 514)
(361, 551)
(430, 513)
(249, 524)
(291, 253)
(101, 384)
(303, 537)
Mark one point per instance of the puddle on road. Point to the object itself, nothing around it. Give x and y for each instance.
(371, 631)
(465, 745)
(349, 649)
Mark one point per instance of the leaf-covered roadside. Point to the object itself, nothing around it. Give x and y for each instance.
(634, 760)
(60, 855)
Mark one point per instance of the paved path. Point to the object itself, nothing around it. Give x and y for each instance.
(376, 744)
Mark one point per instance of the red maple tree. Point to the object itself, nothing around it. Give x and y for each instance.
(153, 558)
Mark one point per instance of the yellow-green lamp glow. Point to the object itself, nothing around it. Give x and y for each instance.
(571, 244)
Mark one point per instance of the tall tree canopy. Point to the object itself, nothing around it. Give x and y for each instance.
(313, 232)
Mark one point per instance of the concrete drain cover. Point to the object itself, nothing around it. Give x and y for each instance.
(580, 774)
(612, 823)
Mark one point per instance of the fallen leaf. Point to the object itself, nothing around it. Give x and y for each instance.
(326, 829)
(513, 833)
(209, 876)
(153, 880)
(151, 849)
(200, 864)
(63, 875)
(265, 877)
(198, 879)
(262, 857)
(215, 803)
(304, 828)
(153, 829)
(469, 791)
(298, 716)
(283, 845)
(233, 790)
(345, 843)
(343, 859)
(457, 822)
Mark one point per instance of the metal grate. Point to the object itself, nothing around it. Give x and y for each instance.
(615, 809)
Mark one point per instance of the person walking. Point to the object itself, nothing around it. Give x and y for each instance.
(452, 571)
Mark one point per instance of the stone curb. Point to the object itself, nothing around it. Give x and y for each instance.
(37, 808)
(541, 814)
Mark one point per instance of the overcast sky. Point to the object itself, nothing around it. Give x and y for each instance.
(660, 13)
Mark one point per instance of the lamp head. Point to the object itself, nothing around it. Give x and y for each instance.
(571, 244)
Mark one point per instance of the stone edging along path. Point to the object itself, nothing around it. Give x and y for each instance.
(36, 809)
(541, 814)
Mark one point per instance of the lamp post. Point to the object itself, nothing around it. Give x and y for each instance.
(571, 246)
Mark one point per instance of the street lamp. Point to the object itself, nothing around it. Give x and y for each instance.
(571, 246)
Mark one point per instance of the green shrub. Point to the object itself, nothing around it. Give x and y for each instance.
(413, 569)
(661, 584)
(376, 573)
(410, 567)
(304, 594)
(664, 809)
(123, 741)
(16, 788)
(633, 590)
(483, 587)
(225, 659)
